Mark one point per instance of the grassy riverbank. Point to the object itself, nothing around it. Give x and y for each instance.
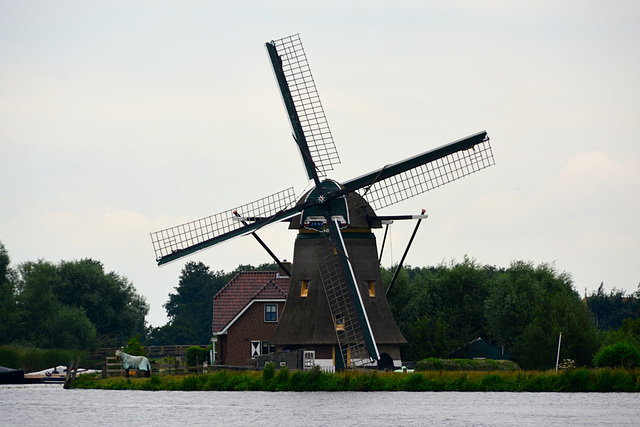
(579, 380)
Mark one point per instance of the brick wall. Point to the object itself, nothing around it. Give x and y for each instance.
(249, 327)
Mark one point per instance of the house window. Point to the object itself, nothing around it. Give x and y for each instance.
(266, 348)
(255, 349)
(304, 288)
(270, 312)
(372, 289)
(261, 347)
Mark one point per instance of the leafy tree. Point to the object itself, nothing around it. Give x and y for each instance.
(190, 308)
(439, 309)
(620, 354)
(522, 308)
(529, 306)
(459, 291)
(134, 347)
(109, 300)
(67, 305)
(43, 320)
(511, 302)
(430, 338)
(536, 347)
(609, 310)
(8, 307)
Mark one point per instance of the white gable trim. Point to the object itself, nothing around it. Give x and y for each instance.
(246, 307)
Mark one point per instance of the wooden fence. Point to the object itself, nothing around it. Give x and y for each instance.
(155, 351)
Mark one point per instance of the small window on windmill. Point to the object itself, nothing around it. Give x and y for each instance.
(339, 322)
(372, 289)
(304, 288)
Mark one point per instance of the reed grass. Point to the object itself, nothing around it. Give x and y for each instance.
(578, 380)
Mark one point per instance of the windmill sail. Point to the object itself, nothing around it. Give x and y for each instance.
(416, 175)
(175, 242)
(302, 102)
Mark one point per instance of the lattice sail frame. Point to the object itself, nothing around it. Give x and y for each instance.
(170, 240)
(307, 103)
(428, 176)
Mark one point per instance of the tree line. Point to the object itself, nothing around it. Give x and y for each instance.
(69, 305)
(521, 308)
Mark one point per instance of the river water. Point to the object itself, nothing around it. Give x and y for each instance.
(51, 405)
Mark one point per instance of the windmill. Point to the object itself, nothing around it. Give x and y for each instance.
(336, 304)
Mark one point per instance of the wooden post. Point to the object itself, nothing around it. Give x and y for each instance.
(71, 373)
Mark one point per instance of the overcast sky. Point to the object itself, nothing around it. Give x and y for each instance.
(122, 118)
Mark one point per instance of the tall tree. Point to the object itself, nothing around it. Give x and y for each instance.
(43, 320)
(109, 299)
(190, 308)
(610, 309)
(9, 312)
(529, 306)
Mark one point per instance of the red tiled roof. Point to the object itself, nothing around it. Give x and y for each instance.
(245, 287)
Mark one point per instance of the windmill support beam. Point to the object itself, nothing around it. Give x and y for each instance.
(384, 239)
(401, 217)
(266, 248)
(406, 251)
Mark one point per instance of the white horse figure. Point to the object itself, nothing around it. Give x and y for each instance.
(136, 362)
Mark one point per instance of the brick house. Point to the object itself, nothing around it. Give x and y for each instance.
(245, 314)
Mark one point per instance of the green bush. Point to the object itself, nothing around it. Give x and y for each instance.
(268, 372)
(620, 354)
(196, 355)
(33, 359)
(579, 380)
(134, 347)
(434, 364)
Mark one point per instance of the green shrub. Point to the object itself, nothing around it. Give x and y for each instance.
(434, 364)
(9, 357)
(575, 380)
(33, 359)
(494, 382)
(282, 379)
(620, 354)
(268, 372)
(196, 355)
(134, 347)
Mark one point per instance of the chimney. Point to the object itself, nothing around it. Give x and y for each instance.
(287, 265)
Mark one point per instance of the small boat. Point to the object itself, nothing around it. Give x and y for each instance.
(11, 376)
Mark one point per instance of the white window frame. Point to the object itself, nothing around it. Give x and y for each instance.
(256, 349)
(270, 312)
(308, 359)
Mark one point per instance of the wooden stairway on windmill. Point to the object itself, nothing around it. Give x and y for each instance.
(341, 305)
